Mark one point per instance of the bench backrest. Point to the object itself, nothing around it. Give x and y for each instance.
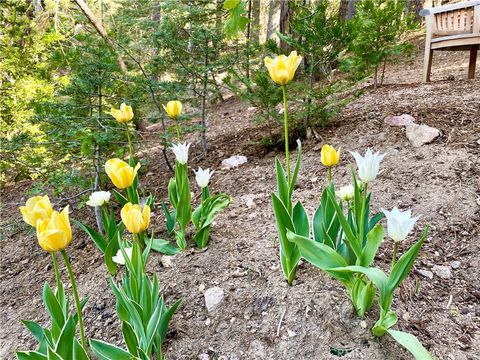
(453, 19)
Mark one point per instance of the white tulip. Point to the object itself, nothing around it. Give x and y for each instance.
(369, 165)
(203, 177)
(181, 152)
(399, 223)
(346, 193)
(119, 259)
(98, 198)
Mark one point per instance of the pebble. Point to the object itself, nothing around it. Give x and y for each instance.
(399, 120)
(419, 135)
(213, 298)
(455, 264)
(442, 271)
(234, 161)
(291, 333)
(426, 273)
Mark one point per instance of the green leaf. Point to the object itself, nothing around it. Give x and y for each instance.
(235, 22)
(171, 217)
(293, 180)
(282, 186)
(120, 198)
(30, 355)
(111, 250)
(64, 345)
(96, 237)
(53, 307)
(35, 328)
(52, 355)
(106, 351)
(173, 192)
(164, 247)
(377, 276)
(404, 264)
(230, 4)
(166, 317)
(300, 220)
(79, 352)
(320, 256)
(411, 343)
(374, 240)
(130, 337)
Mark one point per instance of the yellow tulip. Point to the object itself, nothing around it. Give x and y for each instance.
(121, 174)
(173, 108)
(282, 68)
(135, 219)
(55, 233)
(36, 208)
(329, 156)
(122, 115)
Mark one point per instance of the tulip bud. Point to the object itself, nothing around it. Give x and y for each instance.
(173, 108)
(282, 68)
(399, 223)
(369, 165)
(122, 115)
(329, 156)
(98, 198)
(346, 193)
(119, 259)
(134, 218)
(121, 174)
(36, 208)
(55, 233)
(203, 177)
(181, 152)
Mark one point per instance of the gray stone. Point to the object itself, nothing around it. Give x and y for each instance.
(419, 135)
(213, 298)
(442, 271)
(426, 273)
(399, 120)
(234, 161)
(455, 264)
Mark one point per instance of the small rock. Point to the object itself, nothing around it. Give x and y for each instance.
(363, 324)
(166, 261)
(201, 288)
(291, 333)
(419, 135)
(213, 298)
(442, 271)
(399, 120)
(261, 304)
(208, 321)
(234, 161)
(426, 273)
(455, 264)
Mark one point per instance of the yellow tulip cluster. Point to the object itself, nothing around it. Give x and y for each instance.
(53, 228)
(135, 219)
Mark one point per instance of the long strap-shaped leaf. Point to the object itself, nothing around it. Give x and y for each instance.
(411, 343)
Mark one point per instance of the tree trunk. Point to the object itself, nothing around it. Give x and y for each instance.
(100, 29)
(255, 35)
(414, 7)
(285, 13)
(271, 12)
(203, 138)
(351, 9)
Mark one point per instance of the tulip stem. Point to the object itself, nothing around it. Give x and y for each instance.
(177, 127)
(57, 273)
(362, 215)
(75, 297)
(329, 174)
(130, 147)
(205, 193)
(285, 125)
(394, 257)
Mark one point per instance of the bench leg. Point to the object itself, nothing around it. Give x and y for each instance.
(473, 61)
(427, 63)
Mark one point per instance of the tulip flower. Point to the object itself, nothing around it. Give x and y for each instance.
(122, 115)
(173, 108)
(54, 233)
(119, 259)
(203, 177)
(399, 223)
(134, 218)
(368, 166)
(346, 193)
(282, 68)
(329, 156)
(36, 208)
(181, 152)
(121, 174)
(98, 198)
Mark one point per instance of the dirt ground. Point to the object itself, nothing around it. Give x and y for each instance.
(260, 316)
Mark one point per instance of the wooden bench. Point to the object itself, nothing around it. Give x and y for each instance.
(452, 27)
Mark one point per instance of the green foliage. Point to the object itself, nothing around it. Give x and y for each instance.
(379, 29)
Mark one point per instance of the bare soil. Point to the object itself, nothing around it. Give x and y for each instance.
(260, 316)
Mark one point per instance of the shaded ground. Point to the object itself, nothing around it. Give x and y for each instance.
(440, 181)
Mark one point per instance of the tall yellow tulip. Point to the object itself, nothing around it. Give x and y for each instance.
(122, 115)
(173, 108)
(55, 233)
(36, 208)
(121, 174)
(282, 68)
(329, 156)
(135, 219)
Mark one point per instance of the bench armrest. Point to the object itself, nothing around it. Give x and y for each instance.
(450, 7)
